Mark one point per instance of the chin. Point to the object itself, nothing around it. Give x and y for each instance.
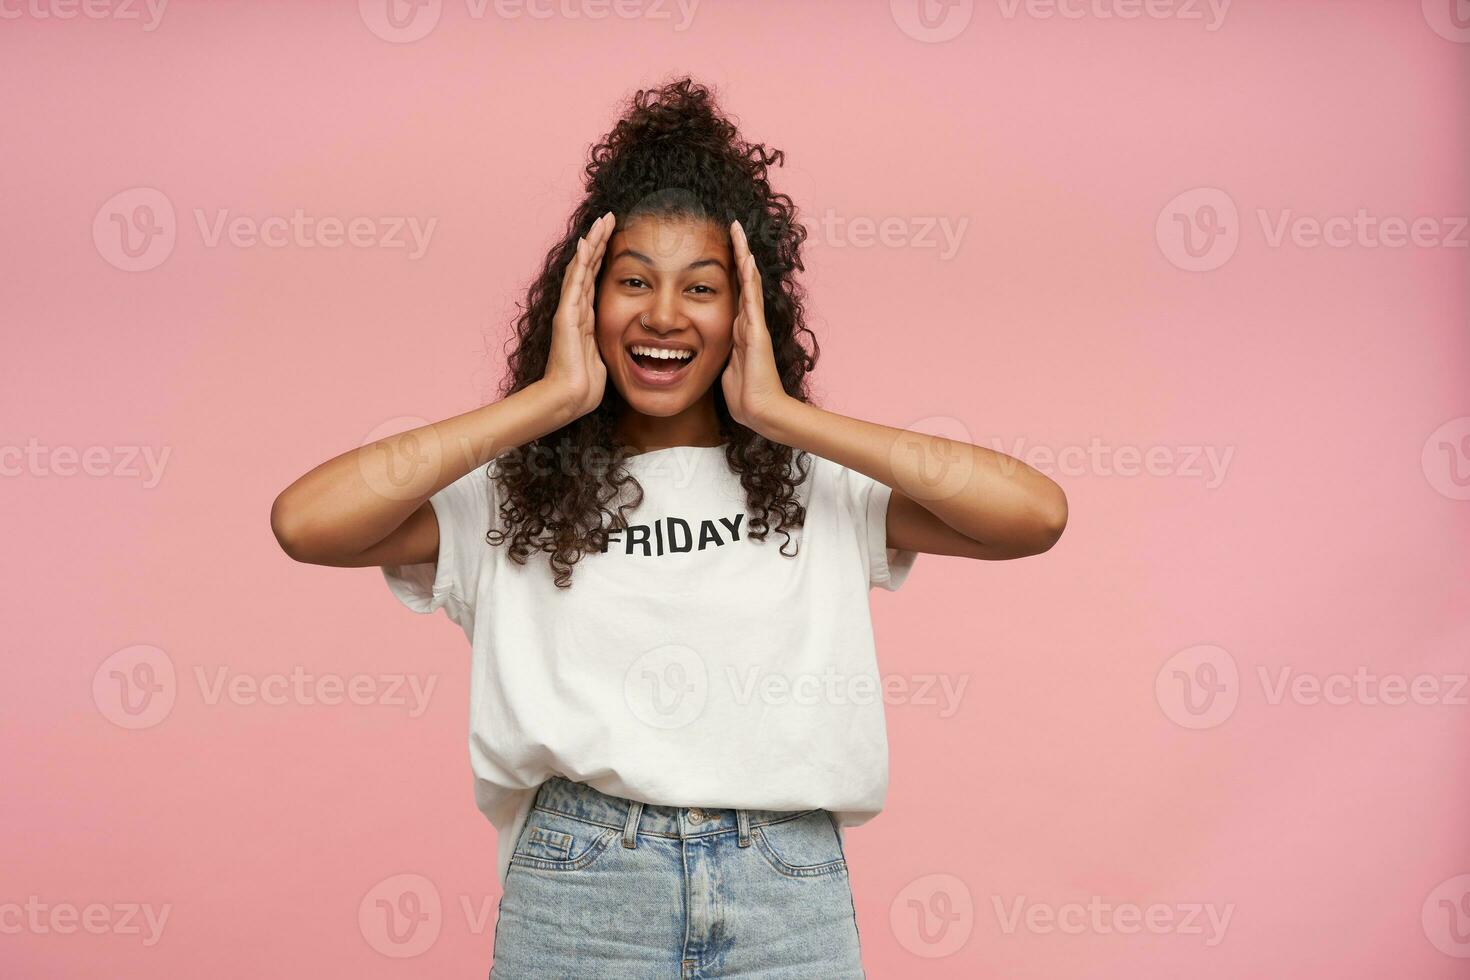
(659, 404)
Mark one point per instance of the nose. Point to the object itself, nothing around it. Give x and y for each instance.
(659, 321)
(662, 315)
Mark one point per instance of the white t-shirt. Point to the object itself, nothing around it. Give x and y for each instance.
(687, 665)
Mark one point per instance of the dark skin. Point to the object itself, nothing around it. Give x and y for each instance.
(695, 285)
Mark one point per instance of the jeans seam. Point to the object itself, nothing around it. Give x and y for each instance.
(577, 863)
(641, 831)
(775, 860)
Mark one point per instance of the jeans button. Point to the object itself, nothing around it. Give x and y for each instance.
(696, 815)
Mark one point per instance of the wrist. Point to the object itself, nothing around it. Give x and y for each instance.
(781, 420)
(551, 404)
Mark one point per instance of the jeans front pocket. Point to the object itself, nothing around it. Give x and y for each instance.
(802, 847)
(552, 841)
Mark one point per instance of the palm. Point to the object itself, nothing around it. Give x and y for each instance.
(574, 355)
(574, 364)
(735, 380)
(751, 382)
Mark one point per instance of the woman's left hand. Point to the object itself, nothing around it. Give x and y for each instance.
(751, 381)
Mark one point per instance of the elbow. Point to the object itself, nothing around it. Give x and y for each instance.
(290, 534)
(1051, 522)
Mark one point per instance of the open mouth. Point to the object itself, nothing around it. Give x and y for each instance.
(657, 365)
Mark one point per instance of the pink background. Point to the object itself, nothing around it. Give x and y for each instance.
(1333, 543)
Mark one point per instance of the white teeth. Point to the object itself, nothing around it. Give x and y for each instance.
(661, 353)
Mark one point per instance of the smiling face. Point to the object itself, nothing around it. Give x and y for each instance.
(666, 303)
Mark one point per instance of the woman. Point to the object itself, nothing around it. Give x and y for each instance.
(669, 745)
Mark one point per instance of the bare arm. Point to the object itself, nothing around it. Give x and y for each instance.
(370, 506)
(981, 503)
(966, 500)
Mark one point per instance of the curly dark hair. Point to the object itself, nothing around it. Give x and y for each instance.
(672, 154)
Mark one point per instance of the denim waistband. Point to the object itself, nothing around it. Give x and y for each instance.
(581, 802)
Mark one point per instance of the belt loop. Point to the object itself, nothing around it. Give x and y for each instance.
(742, 826)
(630, 826)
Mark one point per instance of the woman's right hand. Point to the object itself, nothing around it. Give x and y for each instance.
(574, 369)
(370, 505)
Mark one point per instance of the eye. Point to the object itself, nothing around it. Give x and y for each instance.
(635, 282)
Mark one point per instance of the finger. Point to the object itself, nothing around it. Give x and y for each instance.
(589, 244)
(603, 237)
(589, 283)
(588, 307)
(739, 251)
(599, 238)
(607, 222)
(571, 282)
(745, 327)
(737, 239)
(599, 233)
(587, 290)
(584, 265)
(750, 280)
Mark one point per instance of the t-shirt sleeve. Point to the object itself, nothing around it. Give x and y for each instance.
(463, 510)
(867, 501)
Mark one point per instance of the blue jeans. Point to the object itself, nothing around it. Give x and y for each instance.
(600, 886)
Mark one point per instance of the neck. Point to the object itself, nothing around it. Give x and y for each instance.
(695, 426)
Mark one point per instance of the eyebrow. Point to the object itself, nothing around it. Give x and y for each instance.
(696, 264)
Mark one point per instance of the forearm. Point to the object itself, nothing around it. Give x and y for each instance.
(988, 496)
(353, 501)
